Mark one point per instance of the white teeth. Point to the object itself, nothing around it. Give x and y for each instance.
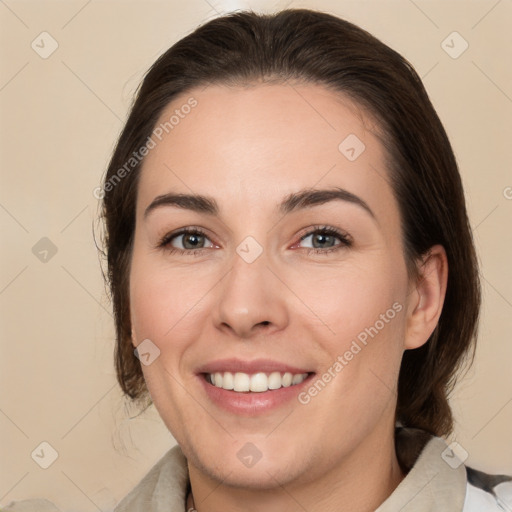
(297, 379)
(257, 382)
(228, 381)
(242, 382)
(274, 380)
(287, 380)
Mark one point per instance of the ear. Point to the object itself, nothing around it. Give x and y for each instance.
(426, 297)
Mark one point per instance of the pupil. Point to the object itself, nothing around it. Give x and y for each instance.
(322, 239)
(194, 244)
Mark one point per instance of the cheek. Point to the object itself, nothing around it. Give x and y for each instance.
(347, 301)
(161, 301)
(167, 307)
(164, 310)
(361, 312)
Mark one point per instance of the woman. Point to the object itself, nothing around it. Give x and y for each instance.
(293, 275)
(291, 260)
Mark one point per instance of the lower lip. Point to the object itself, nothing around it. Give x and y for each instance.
(252, 403)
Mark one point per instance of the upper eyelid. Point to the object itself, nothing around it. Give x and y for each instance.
(166, 239)
(318, 228)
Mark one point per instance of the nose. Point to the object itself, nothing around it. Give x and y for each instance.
(251, 300)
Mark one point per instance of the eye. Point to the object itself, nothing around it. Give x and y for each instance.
(186, 240)
(192, 240)
(325, 239)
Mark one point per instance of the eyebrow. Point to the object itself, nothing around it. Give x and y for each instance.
(295, 201)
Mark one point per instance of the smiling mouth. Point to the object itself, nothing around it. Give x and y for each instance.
(259, 382)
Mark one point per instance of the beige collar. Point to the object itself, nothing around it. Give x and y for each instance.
(431, 485)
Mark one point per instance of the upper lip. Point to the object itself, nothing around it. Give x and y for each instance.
(256, 365)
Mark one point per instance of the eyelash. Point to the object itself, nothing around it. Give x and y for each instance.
(345, 240)
(166, 240)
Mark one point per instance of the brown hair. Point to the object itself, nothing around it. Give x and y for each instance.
(315, 47)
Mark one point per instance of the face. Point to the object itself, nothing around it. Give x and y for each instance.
(274, 284)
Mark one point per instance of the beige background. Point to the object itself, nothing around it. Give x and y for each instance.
(60, 117)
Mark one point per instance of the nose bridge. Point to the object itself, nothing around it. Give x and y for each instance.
(250, 295)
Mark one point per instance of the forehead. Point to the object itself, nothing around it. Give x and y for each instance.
(254, 144)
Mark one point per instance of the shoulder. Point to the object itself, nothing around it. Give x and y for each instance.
(436, 479)
(163, 488)
(492, 493)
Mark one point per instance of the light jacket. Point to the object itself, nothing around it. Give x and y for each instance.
(436, 481)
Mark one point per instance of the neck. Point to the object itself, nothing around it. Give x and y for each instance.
(359, 483)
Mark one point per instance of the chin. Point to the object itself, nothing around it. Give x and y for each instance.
(243, 465)
(263, 476)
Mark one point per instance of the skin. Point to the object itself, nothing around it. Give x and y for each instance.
(249, 147)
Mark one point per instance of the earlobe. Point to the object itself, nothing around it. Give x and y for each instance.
(427, 299)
